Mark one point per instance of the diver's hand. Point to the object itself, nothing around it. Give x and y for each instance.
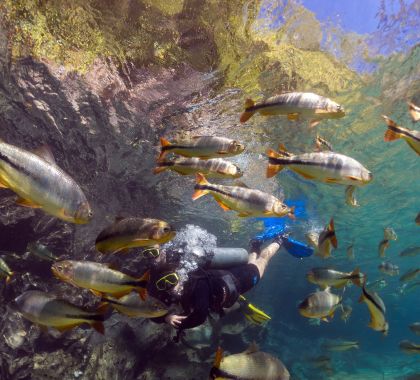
(174, 320)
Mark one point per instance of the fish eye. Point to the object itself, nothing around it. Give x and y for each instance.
(166, 229)
(60, 267)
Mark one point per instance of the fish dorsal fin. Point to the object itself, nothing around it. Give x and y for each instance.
(45, 152)
(218, 358)
(240, 184)
(253, 347)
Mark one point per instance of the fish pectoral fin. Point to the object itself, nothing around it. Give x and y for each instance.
(331, 180)
(304, 175)
(223, 206)
(325, 319)
(351, 178)
(313, 123)
(244, 214)
(293, 116)
(26, 203)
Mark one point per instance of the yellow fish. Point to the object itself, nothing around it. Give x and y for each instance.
(327, 241)
(376, 309)
(395, 132)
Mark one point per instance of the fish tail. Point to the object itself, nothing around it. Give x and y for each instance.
(9, 278)
(414, 111)
(246, 115)
(356, 278)
(161, 167)
(103, 306)
(164, 146)
(201, 181)
(291, 213)
(273, 165)
(333, 237)
(391, 134)
(99, 327)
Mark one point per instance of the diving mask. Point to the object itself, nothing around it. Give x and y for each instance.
(167, 282)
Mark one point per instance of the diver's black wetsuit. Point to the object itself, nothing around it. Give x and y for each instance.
(214, 290)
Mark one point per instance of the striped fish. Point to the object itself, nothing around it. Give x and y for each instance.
(327, 240)
(204, 147)
(247, 202)
(216, 167)
(99, 278)
(296, 106)
(414, 111)
(328, 167)
(376, 309)
(40, 183)
(395, 132)
(321, 305)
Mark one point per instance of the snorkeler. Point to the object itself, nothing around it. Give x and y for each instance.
(213, 290)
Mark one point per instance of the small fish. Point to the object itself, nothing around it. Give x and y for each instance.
(328, 167)
(251, 364)
(383, 246)
(415, 328)
(376, 309)
(346, 311)
(350, 252)
(321, 304)
(409, 347)
(324, 364)
(350, 197)
(128, 233)
(410, 251)
(295, 105)
(340, 345)
(389, 234)
(247, 202)
(395, 132)
(410, 275)
(41, 251)
(46, 310)
(327, 241)
(376, 285)
(389, 269)
(417, 220)
(312, 238)
(327, 277)
(133, 306)
(414, 111)
(40, 183)
(204, 147)
(408, 288)
(322, 144)
(215, 168)
(99, 278)
(5, 271)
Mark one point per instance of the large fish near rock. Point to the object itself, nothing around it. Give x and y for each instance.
(395, 132)
(128, 233)
(47, 310)
(296, 106)
(251, 364)
(40, 183)
(247, 202)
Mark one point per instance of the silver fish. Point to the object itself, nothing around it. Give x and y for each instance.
(389, 269)
(389, 234)
(41, 251)
(321, 304)
(350, 197)
(410, 275)
(410, 251)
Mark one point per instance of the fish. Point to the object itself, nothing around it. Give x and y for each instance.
(247, 202)
(389, 269)
(5, 271)
(133, 306)
(389, 234)
(409, 347)
(327, 241)
(46, 310)
(251, 364)
(312, 238)
(410, 251)
(350, 252)
(376, 309)
(327, 277)
(41, 251)
(324, 364)
(417, 220)
(99, 278)
(322, 144)
(376, 285)
(340, 345)
(350, 197)
(215, 168)
(321, 304)
(346, 311)
(395, 132)
(383, 246)
(203, 147)
(414, 111)
(327, 167)
(411, 286)
(296, 106)
(410, 275)
(40, 183)
(415, 328)
(126, 233)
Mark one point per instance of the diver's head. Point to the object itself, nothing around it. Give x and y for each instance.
(83, 214)
(167, 281)
(63, 270)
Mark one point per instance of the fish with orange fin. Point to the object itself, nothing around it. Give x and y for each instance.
(99, 278)
(5, 271)
(296, 106)
(414, 111)
(251, 364)
(327, 240)
(395, 132)
(46, 310)
(247, 202)
(203, 147)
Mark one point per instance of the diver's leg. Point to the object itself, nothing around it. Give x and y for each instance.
(261, 260)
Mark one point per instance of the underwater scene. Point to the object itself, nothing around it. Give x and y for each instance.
(202, 189)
